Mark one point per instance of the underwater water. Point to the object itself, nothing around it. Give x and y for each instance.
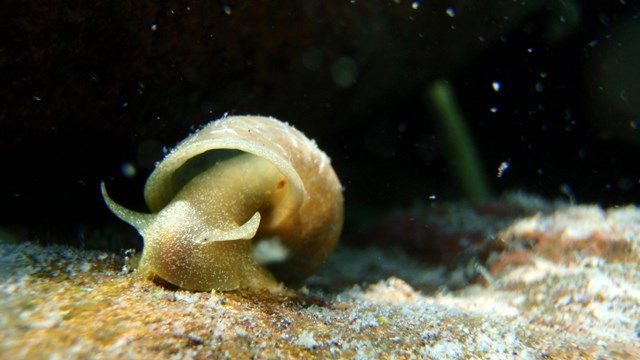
(96, 92)
(487, 153)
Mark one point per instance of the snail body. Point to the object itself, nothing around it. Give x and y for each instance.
(246, 201)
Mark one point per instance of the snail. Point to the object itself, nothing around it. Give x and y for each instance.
(246, 201)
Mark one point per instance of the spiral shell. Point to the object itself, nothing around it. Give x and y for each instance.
(246, 201)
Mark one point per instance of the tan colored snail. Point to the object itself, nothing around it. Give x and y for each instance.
(241, 200)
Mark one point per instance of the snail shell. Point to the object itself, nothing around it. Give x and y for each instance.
(241, 200)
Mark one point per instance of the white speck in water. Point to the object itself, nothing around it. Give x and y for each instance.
(451, 12)
(539, 86)
(530, 50)
(128, 169)
(227, 9)
(35, 98)
(496, 86)
(154, 27)
(634, 124)
(494, 109)
(415, 5)
(502, 168)
(433, 197)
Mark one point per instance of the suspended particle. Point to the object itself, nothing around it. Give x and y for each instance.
(502, 168)
(451, 12)
(128, 169)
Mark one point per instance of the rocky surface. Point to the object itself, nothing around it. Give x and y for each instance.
(563, 283)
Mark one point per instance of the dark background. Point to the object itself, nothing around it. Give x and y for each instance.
(89, 86)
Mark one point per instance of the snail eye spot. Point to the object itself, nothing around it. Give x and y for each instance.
(281, 183)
